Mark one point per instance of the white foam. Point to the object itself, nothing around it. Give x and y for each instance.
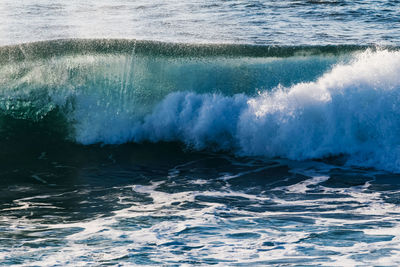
(117, 239)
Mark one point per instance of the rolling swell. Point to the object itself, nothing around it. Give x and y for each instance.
(293, 102)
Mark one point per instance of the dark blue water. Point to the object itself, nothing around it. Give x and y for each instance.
(159, 204)
(277, 144)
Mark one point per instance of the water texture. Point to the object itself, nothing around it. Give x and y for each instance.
(228, 133)
(291, 22)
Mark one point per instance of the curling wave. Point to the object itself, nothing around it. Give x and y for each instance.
(297, 106)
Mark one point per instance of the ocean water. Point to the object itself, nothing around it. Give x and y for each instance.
(228, 133)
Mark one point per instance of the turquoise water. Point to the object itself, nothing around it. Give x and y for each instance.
(200, 133)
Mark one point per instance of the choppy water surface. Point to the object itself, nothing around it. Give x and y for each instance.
(156, 204)
(258, 22)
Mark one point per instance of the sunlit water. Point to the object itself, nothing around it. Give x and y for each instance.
(259, 22)
(125, 153)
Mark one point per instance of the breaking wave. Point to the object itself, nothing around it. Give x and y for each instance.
(294, 102)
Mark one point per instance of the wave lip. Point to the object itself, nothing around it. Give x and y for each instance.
(63, 47)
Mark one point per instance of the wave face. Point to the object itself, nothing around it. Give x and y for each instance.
(297, 103)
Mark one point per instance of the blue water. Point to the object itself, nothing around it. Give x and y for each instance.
(199, 133)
